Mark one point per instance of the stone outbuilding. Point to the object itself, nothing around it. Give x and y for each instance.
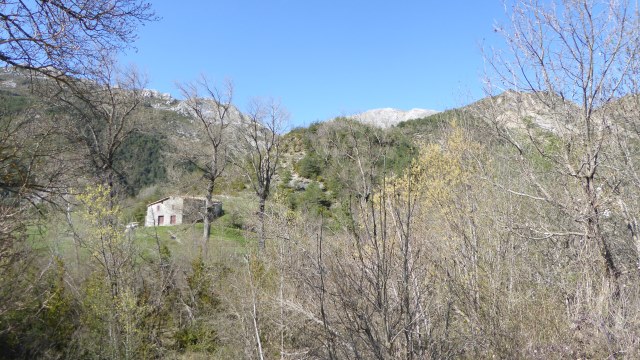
(176, 210)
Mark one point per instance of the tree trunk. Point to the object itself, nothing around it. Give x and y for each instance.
(261, 235)
(207, 218)
(595, 234)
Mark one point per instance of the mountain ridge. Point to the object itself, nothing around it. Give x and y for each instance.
(388, 117)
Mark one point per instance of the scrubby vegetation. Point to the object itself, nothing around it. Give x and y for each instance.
(504, 229)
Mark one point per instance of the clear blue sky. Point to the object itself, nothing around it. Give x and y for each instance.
(323, 58)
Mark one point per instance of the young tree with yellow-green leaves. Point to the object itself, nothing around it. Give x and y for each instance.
(111, 311)
(57, 39)
(384, 287)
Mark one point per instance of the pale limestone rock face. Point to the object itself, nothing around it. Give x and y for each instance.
(388, 117)
(8, 84)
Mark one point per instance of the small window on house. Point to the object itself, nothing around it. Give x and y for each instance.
(172, 220)
(160, 220)
(158, 207)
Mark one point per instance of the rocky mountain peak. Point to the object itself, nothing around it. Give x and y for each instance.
(387, 117)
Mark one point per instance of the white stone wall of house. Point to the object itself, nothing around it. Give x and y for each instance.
(176, 210)
(149, 220)
(165, 212)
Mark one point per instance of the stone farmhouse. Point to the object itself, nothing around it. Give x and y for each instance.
(176, 210)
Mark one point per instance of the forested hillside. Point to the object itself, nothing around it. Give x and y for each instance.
(507, 228)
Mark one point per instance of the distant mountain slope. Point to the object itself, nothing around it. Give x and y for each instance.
(388, 117)
(517, 110)
(164, 101)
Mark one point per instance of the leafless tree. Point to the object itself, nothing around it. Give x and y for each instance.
(33, 175)
(213, 110)
(569, 67)
(259, 153)
(101, 114)
(58, 37)
(569, 60)
(30, 157)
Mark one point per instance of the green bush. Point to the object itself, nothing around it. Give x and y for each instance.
(232, 219)
(313, 200)
(310, 166)
(197, 337)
